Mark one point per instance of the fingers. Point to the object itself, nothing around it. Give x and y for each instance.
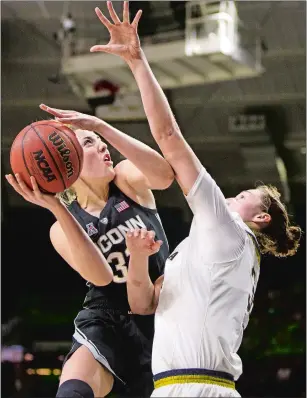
(69, 120)
(103, 48)
(24, 187)
(136, 19)
(36, 190)
(156, 246)
(136, 233)
(103, 19)
(12, 181)
(54, 111)
(126, 15)
(113, 14)
(151, 235)
(50, 110)
(143, 233)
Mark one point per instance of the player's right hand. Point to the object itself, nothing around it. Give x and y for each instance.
(124, 39)
(35, 196)
(142, 242)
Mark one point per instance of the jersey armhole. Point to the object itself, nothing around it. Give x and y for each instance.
(153, 211)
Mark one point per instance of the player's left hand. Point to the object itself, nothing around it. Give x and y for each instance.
(124, 40)
(141, 241)
(77, 119)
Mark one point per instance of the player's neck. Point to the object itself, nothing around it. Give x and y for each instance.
(92, 194)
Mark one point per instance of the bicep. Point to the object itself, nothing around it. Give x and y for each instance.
(61, 244)
(134, 184)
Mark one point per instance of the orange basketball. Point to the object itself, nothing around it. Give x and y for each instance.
(48, 151)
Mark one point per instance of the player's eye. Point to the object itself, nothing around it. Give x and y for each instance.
(87, 141)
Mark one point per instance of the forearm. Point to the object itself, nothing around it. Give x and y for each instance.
(164, 127)
(85, 256)
(147, 160)
(158, 111)
(139, 286)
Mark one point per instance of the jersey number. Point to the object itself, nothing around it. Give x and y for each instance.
(119, 261)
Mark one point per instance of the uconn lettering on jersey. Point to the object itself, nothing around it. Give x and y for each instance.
(117, 235)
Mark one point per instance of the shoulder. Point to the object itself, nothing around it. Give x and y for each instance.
(132, 183)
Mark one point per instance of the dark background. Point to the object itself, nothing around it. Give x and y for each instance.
(41, 294)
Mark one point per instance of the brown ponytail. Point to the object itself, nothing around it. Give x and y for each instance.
(279, 238)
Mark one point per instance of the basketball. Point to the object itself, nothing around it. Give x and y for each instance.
(48, 151)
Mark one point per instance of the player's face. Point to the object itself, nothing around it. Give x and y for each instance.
(97, 161)
(249, 204)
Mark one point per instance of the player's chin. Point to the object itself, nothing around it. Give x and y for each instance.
(109, 173)
(98, 172)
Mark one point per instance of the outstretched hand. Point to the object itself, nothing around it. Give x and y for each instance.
(34, 195)
(124, 40)
(77, 119)
(141, 241)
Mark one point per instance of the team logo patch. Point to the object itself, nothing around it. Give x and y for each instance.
(104, 221)
(91, 229)
(121, 206)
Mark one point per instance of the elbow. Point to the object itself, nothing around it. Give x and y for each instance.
(100, 278)
(140, 310)
(168, 178)
(103, 281)
(171, 132)
(139, 307)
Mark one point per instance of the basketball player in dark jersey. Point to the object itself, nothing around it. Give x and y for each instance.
(111, 349)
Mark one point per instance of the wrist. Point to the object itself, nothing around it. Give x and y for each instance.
(100, 126)
(57, 208)
(139, 258)
(136, 60)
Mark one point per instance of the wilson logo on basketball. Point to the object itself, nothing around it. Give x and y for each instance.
(60, 145)
(43, 165)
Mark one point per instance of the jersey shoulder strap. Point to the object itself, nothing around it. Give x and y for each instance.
(74, 209)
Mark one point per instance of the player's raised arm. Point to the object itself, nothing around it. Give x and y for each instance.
(125, 43)
(165, 130)
(145, 168)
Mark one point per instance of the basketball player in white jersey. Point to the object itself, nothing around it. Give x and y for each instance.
(211, 277)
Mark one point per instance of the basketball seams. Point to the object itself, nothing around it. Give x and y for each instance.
(18, 138)
(50, 154)
(71, 141)
(22, 151)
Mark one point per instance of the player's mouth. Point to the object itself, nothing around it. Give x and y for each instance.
(107, 159)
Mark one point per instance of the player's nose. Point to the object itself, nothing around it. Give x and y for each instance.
(102, 146)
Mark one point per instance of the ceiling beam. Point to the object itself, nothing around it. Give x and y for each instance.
(191, 101)
(43, 60)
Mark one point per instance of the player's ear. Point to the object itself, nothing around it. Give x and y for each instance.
(262, 219)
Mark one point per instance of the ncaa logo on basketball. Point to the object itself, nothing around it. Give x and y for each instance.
(60, 145)
(43, 165)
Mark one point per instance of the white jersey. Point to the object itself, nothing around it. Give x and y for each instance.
(208, 289)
